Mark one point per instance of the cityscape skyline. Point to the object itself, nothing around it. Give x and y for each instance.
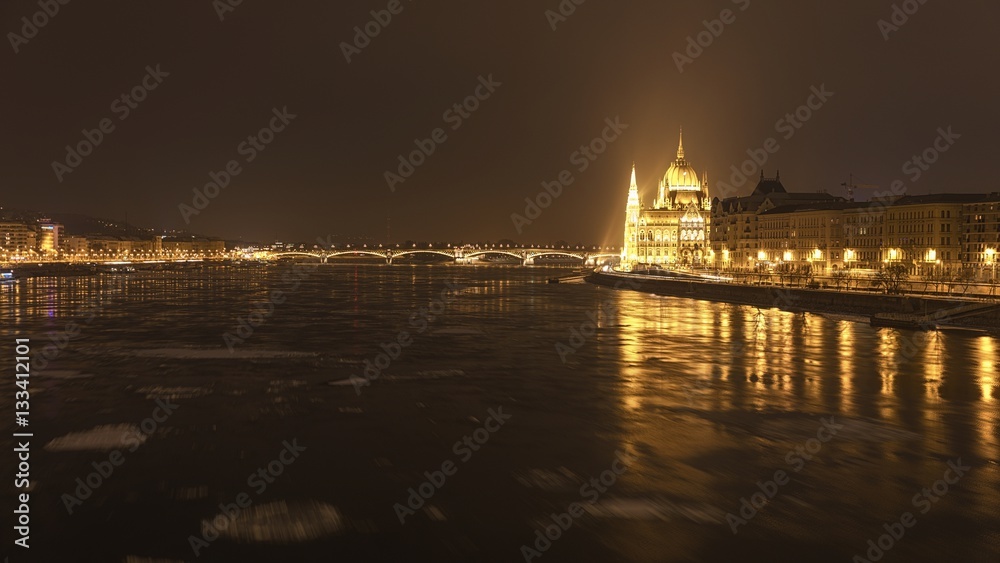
(353, 117)
(490, 281)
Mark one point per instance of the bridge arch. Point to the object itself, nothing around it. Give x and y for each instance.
(423, 251)
(287, 254)
(475, 253)
(335, 253)
(532, 255)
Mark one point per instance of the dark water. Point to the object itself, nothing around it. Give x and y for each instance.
(701, 400)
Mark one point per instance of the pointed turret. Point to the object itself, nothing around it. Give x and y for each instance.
(633, 190)
(680, 146)
(632, 210)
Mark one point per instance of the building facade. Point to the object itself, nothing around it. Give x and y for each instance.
(980, 234)
(675, 229)
(48, 236)
(772, 228)
(17, 237)
(765, 228)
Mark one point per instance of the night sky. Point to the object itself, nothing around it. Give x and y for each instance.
(325, 173)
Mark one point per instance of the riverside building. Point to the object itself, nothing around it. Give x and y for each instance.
(675, 229)
(772, 228)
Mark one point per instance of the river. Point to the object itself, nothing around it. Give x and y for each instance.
(307, 403)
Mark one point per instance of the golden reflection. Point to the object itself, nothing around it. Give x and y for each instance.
(631, 326)
(989, 427)
(986, 358)
(887, 362)
(933, 360)
(846, 349)
(664, 378)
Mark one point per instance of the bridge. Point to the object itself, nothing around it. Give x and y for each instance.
(460, 255)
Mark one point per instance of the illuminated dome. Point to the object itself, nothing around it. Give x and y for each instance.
(685, 196)
(681, 176)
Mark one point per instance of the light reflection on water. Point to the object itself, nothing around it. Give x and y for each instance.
(709, 397)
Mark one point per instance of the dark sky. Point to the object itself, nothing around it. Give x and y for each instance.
(325, 173)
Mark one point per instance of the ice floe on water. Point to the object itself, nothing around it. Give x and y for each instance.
(874, 430)
(280, 522)
(420, 375)
(219, 354)
(654, 509)
(458, 330)
(551, 480)
(430, 374)
(99, 439)
(437, 373)
(279, 384)
(62, 374)
(186, 493)
(343, 382)
(795, 428)
(171, 393)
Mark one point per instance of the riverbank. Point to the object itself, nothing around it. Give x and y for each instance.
(929, 312)
(69, 269)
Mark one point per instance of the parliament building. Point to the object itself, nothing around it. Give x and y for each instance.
(816, 231)
(675, 230)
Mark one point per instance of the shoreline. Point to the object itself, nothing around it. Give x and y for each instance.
(911, 312)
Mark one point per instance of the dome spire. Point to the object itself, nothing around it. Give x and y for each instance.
(680, 145)
(633, 191)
